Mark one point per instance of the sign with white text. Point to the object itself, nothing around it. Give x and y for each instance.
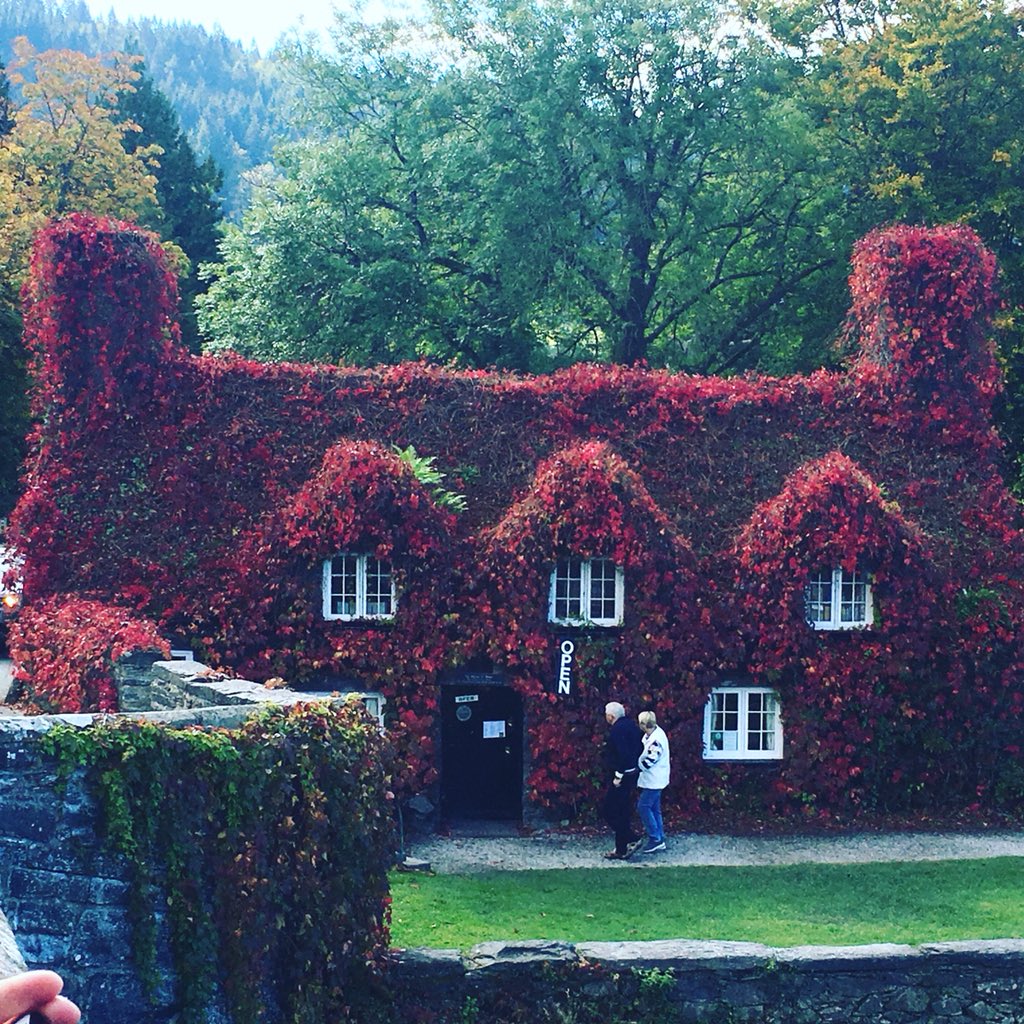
(565, 663)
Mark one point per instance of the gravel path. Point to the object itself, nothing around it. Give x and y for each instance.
(464, 855)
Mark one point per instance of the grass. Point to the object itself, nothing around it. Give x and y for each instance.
(801, 904)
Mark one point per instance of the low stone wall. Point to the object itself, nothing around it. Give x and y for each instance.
(64, 896)
(726, 982)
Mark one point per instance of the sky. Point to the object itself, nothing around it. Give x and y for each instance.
(247, 21)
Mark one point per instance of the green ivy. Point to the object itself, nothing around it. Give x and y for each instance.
(268, 846)
(425, 470)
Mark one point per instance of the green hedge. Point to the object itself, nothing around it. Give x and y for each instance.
(268, 845)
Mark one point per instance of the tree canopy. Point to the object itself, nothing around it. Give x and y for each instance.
(549, 181)
(189, 211)
(66, 149)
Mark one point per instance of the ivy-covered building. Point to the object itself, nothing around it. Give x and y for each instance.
(815, 581)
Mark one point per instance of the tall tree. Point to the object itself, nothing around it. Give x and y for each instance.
(555, 180)
(66, 150)
(189, 212)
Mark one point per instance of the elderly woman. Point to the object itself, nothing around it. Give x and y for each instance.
(653, 778)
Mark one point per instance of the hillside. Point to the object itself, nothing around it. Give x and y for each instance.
(232, 103)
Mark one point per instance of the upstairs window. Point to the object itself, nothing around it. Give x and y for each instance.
(837, 599)
(358, 587)
(586, 591)
(742, 724)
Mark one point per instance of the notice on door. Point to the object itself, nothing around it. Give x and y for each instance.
(494, 730)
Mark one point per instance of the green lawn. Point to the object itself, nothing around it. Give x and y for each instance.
(821, 904)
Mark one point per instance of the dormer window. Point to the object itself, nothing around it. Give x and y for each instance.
(358, 587)
(586, 591)
(837, 599)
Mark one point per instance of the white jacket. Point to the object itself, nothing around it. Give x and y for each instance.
(654, 762)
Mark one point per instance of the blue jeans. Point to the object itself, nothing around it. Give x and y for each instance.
(648, 806)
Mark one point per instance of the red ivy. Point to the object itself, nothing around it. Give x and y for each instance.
(65, 649)
(922, 303)
(204, 494)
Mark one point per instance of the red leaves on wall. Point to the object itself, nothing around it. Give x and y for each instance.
(361, 499)
(585, 502)
(922, 301)
(204, 494)
(65, 649)
(847, 684)
(100, 317)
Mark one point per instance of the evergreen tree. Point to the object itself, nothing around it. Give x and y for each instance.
(190, 213)
(233, 104)
(14, 409)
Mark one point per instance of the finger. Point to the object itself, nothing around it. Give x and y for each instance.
(61, 1011)
(28, 991)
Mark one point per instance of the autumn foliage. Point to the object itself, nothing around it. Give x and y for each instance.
(204, 495)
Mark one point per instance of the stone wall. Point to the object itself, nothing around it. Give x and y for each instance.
(688, 982)
(65, 897)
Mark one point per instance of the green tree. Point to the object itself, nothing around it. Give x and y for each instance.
(189, 211)
(925, 99)
(66, 150)
(14, 411)
(552, 180)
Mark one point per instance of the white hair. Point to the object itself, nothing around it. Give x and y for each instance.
(615, 709)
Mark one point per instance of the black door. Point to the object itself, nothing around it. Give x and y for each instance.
(482, 752)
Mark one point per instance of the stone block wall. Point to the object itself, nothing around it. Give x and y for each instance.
(64, 896)
(689, 982)
(64, 899)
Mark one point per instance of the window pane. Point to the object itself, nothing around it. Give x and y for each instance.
(760, 721)
(742, 724)
(602, 589)
(853, 600)
(818, 597)
(569, 589)
(378, 587)
(725, 720)
(343, 585)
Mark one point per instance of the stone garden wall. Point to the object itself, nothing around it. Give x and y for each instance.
(688, 982)
(64, 897)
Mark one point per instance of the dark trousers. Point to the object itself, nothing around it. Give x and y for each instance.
(618, 811)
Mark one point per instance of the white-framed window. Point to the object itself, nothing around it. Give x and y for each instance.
(742, 723)
(837, 599)
(358, 587)
(373, 702)
(586, 590)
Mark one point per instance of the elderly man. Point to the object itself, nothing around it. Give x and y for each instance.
(622, 749)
